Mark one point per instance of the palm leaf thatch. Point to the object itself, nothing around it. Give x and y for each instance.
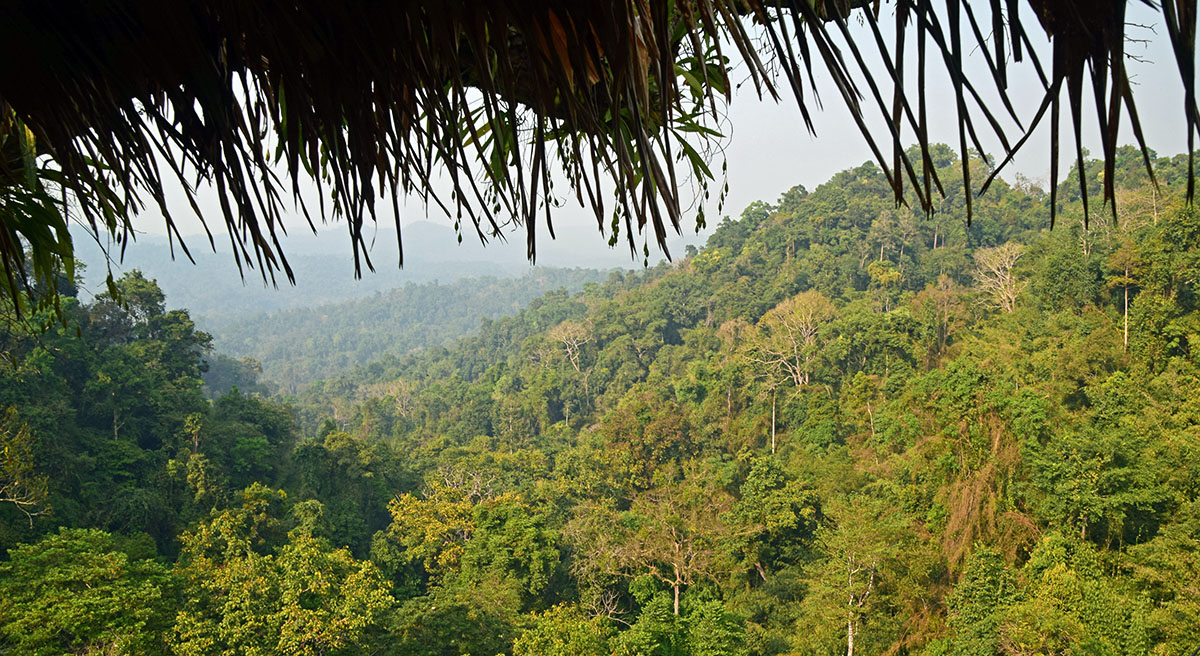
(105, 103)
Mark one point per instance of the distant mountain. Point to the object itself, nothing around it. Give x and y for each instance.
(300, 345)
(217, 296)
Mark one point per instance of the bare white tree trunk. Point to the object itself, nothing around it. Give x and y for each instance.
(1126, 343)
(850, 607)
(850, 635)
(773, 392)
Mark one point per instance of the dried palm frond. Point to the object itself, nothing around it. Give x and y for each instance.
(107, 102)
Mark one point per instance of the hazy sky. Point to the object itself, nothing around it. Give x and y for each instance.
(768, 149)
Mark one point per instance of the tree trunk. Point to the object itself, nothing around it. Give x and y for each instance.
(850, 634)
(773, 392)
(676, 599)
(850, 607)
(728, 404)
(1126, 344)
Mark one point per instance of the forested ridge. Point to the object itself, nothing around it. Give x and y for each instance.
(840, 427)
(297, 346)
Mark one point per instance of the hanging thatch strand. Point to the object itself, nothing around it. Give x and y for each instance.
(109, 101)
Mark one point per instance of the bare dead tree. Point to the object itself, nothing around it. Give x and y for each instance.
(788, 335)
(572, 336)
(606, 604)
(994, 275)
(474, 486)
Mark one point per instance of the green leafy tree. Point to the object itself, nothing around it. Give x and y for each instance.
(774, 521)
(1069, 606)
(977, 607)
(76, 591)
(433, 530)
(656, 632)
(249, 590)
(867, 555)
(454, 622)
(670, 533)
(564, 631)
(1165, 570)
(942, 314)
(711, 630)
(1099, 479)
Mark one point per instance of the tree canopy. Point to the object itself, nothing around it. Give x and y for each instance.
(819, 434)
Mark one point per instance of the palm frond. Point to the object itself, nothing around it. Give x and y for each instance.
(373, 101)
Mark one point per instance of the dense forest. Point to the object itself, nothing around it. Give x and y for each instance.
(840, 427)
(298, 346)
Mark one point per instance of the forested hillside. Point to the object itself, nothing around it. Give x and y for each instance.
(297, 346)
(838, 428)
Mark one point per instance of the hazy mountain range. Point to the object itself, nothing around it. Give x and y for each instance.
(216, 294)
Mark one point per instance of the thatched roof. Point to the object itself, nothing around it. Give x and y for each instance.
(371, 99)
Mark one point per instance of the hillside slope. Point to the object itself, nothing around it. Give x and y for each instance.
(839, 427)
(300, 345)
